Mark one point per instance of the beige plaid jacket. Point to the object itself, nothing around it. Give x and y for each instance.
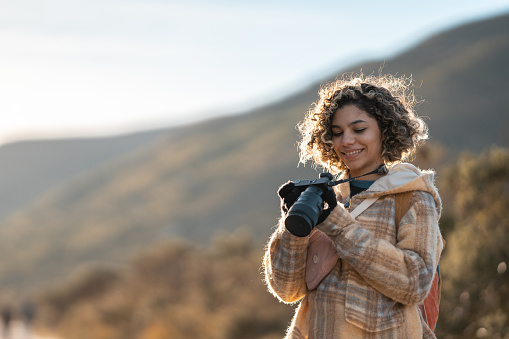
(383, 273)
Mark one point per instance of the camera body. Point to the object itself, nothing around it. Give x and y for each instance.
(304, 213)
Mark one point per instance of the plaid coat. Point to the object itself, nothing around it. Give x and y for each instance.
(383, 271)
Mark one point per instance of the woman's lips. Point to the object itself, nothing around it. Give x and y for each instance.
(352, 154)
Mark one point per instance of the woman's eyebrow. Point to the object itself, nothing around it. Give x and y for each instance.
(350, 124)
(355, 122)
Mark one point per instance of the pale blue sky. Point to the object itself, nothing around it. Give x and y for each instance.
(96, 67)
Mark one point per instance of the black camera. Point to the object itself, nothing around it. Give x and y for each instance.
(304, 213)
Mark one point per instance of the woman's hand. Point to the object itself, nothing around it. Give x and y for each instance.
(288, 194)
(330, 198)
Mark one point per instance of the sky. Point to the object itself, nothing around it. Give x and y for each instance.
(74, 68)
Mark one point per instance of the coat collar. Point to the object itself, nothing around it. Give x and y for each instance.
(403, 177)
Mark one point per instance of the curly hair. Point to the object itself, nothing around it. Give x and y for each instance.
(386, 98)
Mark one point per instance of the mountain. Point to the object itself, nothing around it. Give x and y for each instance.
(222, 174)
(30, 168)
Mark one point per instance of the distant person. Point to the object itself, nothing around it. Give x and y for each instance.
(360, 273)
(28, 313)
(6, 321)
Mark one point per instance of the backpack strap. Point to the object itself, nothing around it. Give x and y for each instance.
(402, 205)
(363, 206)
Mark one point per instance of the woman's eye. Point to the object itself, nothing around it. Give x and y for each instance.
(337, 134)
(360, 130)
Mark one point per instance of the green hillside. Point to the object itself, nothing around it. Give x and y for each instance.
(222, 174)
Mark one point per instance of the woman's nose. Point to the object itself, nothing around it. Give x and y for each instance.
(348, 139)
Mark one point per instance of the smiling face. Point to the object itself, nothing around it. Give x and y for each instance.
(357, 141)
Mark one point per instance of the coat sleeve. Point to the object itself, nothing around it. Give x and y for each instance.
(403, 272)
(285, 265)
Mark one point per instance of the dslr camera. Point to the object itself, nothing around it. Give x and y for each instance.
(304, 213)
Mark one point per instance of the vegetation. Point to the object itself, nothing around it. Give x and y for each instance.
(177, 290)
(474, 266)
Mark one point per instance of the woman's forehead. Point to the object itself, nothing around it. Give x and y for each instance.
(351, 115)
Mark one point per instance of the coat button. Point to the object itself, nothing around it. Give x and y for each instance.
(315, 258)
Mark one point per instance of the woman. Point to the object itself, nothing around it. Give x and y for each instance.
(384, 268)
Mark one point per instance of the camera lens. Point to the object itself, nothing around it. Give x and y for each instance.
(303, 215)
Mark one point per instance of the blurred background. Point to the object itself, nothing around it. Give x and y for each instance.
(142, 144)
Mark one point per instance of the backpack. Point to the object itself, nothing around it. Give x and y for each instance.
(322, 257)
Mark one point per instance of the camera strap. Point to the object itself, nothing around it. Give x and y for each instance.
(382, 169)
